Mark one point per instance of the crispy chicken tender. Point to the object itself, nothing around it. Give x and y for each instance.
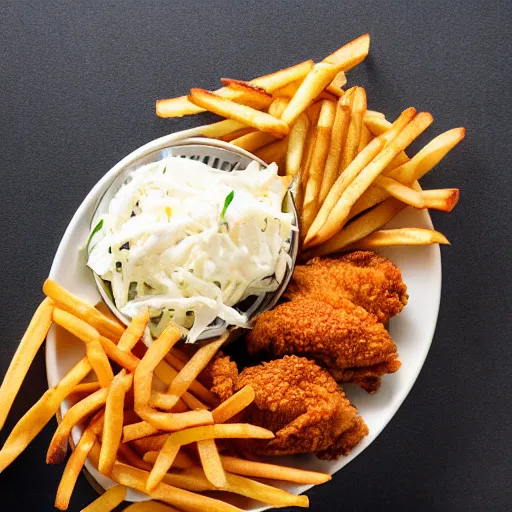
(347, 340)
(301, 403)
(364, 277)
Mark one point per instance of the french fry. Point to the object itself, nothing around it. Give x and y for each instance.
(231, 110)
(149, 506)
(168, 402)
(288, 90)
(366, 137)
(357, 111)
(338, 137)
(319, 77)
(126, 454)
(123, 358)
(340, 213)
(423, 162)
(444, 199)
(41, 413)
(253, 95)
(77, 307)
(179, 354)
(85, 388)
(134, 331)
(236, 134)
(138, 431)
(212, 466)
(73, 469)
(113, 424)
(109, 500)
(395, 237)
(195, 366)
(341, 184)
(142, 387)
(59, 443)
(222, 128)
(166, 373)
(317, 163)
(339, 81)
(272, 471)
(253, 141)
(194, 479)
(277, 107)
(149, 444)
(233, 405)
(351, 54)
(402, 192)
(296, 144)
(27, 349)
(182, 460)
(91, 337)
(184, 500)
(359, 228)
(161, 466)
(273, 152)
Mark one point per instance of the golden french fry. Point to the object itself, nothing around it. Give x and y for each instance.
(85, 388)
(149, 506)
(280, 78)
(221, 128)
(340, 213)
(77, 307)
(253, 141)
(149, 444)
(317, 163)
(184, 500)
(194, 479)
(274, 152)
(313, 112)
(41, 413)
(444, 199)
(134, 331)
(272, 471)
(161, 466)
(253, 95)
(288, 90)
(126, 454)
(357, 111)
(182, 460)
(27, 349)
(236, 134)
(359, 228)
(73, 469)
(247, 115)
(341, 184)
(338, 137)
(125, 359)
(350, 55)
(423, 162)
(109, 500)
(402, 192)
(166, 373)
(373, 114)
(138, 431)
(403, 236)
(319, 77)
(142, 387)
(277, 107)
(105, 310)
(366, 137)
(168, 402)
(296, 144)
(113, 423)
(59, 443)
(233, 405)
(99, 362)
(339, 81)
(212, 466)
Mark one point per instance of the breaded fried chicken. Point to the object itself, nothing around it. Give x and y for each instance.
(346, 340)
(298, 401)
(364, 277)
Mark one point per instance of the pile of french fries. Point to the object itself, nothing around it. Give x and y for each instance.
(155, 435)
(353, 175)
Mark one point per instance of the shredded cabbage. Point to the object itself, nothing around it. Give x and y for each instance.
(190, 242)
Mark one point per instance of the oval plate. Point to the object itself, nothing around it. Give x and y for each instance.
(412, 330)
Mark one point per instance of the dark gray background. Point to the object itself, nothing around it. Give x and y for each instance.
(78, 82)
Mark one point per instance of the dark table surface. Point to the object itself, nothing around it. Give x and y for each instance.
(78, 82)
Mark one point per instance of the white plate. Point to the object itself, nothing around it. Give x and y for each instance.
(412, 330)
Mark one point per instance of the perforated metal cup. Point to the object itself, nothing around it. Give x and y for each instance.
(218, 155)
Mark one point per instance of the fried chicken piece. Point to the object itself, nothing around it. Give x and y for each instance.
(220, 376)
(364, 277)
(347, 340)
(301, 403)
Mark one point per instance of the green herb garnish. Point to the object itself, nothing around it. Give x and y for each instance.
(94, 231)
(227, 202)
